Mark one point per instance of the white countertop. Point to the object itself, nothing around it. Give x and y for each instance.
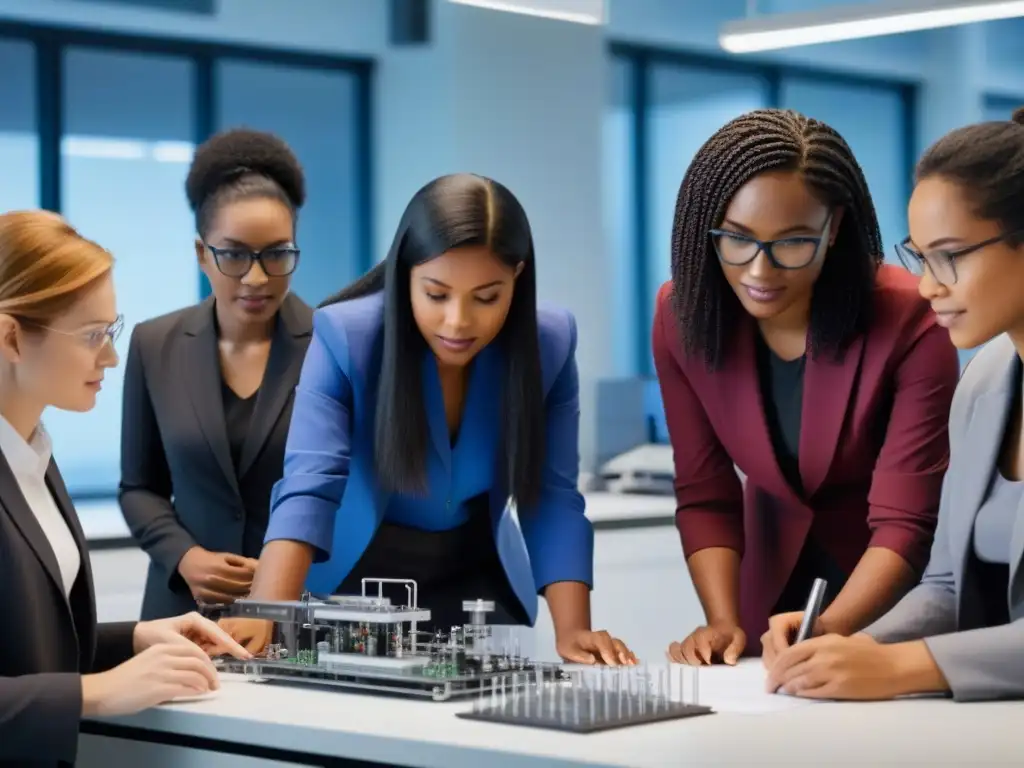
(429, 735)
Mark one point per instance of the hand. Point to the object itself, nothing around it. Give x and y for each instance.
(711, 644)
(837, 667)
(253, 634)
(160, 673)
(216, 577)
(582, 646)
(190, 629)
(781, 634)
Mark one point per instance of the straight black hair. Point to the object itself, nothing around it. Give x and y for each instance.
(986, 160)
(448, 213)
(758, 142)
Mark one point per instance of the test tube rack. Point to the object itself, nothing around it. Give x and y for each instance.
(593, 700)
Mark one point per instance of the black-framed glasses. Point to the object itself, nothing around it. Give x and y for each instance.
(93, 338)
(798, 252)
(942, 263)
(275, 261)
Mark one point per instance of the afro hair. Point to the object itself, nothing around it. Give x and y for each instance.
(227, 157)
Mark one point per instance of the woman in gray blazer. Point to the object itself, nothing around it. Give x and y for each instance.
(961, 631)
(58, 324)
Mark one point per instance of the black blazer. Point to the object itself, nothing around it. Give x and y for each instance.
(179, 487)
(48, 641)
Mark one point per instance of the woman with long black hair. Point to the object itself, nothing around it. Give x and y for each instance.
(437, 404)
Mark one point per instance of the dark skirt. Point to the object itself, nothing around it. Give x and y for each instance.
(448, 567)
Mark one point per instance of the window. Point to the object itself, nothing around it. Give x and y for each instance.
(872, 119)
(315, 111)
(686, 105)
(19, 142)
(106, 138)
(124, 156)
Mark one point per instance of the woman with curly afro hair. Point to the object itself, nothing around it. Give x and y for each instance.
(208, 389)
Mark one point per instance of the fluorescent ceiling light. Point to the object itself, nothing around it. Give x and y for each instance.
(869, 19)
(577, 11)
(106, 148)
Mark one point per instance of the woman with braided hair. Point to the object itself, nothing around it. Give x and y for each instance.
(786, 349)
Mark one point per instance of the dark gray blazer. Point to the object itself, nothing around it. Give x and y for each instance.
(48, 641)
(179, 487)
(979, 662)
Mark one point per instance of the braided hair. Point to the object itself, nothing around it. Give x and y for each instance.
(986, 160)
(758, 142)
(242, 164)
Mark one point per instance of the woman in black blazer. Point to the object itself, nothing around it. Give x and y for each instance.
(58, 323)
(208, 389)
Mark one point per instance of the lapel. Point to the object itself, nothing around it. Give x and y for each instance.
(746, 401)
(828, 391)
(287, 351)
(202, 376)
(16, 506)
(980, 454)
(83, 610)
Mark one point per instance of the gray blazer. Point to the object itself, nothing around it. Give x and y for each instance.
(978, 662)
(179, 486)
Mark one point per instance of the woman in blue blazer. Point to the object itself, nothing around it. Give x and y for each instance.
(434, 432)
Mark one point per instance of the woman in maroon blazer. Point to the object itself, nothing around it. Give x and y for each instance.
(786, 350)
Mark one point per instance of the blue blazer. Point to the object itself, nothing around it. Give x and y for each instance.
(329, 497)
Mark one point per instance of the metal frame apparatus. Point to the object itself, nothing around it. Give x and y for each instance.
(364, 642)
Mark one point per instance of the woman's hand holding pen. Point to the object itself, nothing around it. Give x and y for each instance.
(781, 634)
(711, 644)
(217, 577)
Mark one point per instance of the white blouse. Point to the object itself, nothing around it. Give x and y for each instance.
(28, 461)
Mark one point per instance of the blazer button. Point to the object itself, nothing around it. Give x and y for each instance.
(238, 515)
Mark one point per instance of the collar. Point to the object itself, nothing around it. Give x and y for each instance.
(29, 458)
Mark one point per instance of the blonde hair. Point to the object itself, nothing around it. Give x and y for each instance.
(45, 265)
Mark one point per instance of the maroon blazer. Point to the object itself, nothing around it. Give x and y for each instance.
(873, 447)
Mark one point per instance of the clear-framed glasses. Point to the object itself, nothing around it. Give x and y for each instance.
(797, 252)
(942, 263)
(93, 338)
(275, 261)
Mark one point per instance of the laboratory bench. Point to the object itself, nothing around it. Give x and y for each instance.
(260, 724)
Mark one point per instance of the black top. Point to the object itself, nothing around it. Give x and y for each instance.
(782, 392)
(238, 414)
(237, 417)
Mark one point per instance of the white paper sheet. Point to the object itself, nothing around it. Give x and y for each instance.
(739, 689)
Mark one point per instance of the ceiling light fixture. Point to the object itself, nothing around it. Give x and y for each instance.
(848, 22)
(577, 11)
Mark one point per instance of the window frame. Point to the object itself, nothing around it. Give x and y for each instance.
(51, 41)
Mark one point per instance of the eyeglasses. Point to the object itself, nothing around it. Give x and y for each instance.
(942, 263)
(276, 261)
(94, 338)
(786, 253)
